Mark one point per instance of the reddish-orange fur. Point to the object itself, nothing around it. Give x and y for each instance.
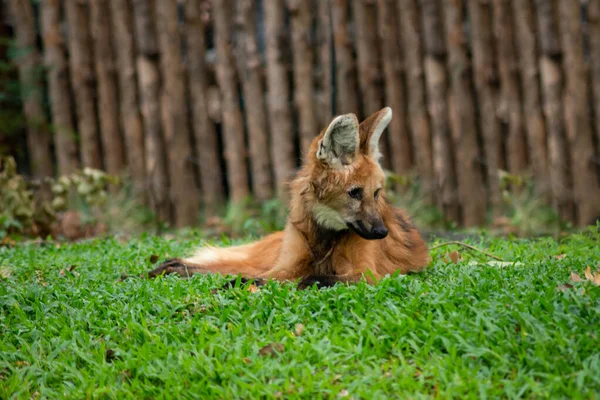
(306, 248)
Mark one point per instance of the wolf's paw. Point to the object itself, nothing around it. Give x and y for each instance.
(319, 281)
(171, 266)
(244, 281)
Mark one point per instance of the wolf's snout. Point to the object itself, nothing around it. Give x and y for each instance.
(371, 231)
(379, 231)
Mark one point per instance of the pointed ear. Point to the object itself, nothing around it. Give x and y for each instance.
(371, 130)
(340, 142)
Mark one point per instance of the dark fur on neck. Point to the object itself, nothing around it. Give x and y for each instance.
(321, 242)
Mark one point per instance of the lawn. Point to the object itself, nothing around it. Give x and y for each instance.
(76, 321)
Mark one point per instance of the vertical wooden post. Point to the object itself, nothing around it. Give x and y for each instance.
(148, 75)
(207, 146)
(368, 54)
(552, 87)
(83, 81)
(527, 47)
(471, 190)
(486, 84)
(304, 94)
(509, 105)
(345, 66)
(594, 35)
(250, 69)
(29, 60)
(324, 65)
(417, 111)
(280, 116)
(61, 102)
(108, 100)
(391, 54)
(184, 193)
(367, 51)
(131, 120)
(233, 123)
(578, 118)
(437, 90)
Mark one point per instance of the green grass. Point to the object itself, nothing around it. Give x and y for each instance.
(455, 331)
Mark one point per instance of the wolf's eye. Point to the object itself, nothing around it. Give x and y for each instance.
(377, 193)
(356, 193)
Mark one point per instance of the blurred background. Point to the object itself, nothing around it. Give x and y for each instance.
(124, 114)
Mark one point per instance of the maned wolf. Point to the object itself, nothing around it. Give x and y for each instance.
(340, 227)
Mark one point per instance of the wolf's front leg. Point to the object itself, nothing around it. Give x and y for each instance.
(176, 266)
(323, 281)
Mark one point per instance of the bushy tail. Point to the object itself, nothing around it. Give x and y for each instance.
(249, 260)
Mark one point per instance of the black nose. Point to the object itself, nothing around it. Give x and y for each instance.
(379, 232)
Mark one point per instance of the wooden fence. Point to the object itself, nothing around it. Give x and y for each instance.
(200, 101)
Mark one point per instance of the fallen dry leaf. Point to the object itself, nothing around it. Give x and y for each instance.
(344, 393)
(564, 287)
(575, 277)
(111, 355)
(62, 272)
(72, 267)
(246, 360)
(4, 272)
(592, 277)
(560, 256)
(494, 263)
(298, 329)
(253, 288)
(70, 225)
(153, 258)
(6, 241)
(271, 349)
(454, 256)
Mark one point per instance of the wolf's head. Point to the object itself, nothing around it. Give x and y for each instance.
(344, 177)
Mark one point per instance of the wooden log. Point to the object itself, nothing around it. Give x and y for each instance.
(61, 102)
(233, 123)
(471, 190)
(83, 81)
(207, 145)
(106, 76)
(415, 84)
(131, 119)
(552, 88)
(437, 90)
(577, 114)
(280, 115)
(148, 74)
